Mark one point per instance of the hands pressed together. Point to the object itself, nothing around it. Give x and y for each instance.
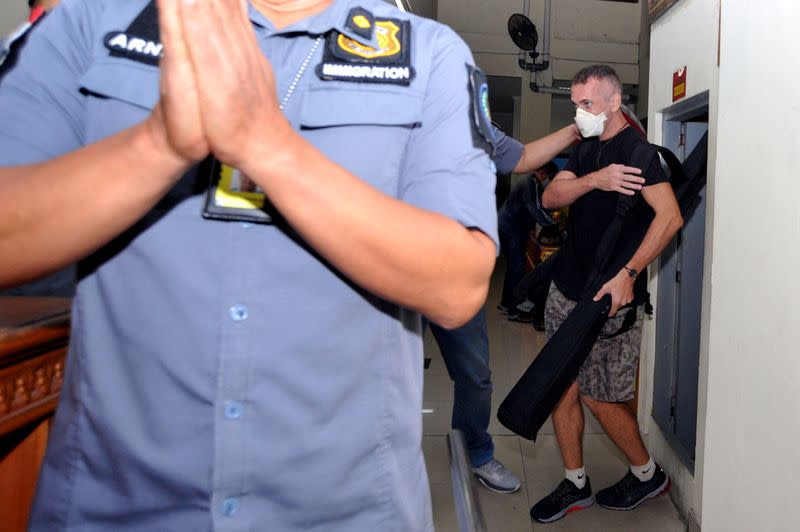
(217, 89)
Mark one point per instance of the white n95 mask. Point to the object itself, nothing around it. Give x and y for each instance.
(590, 125)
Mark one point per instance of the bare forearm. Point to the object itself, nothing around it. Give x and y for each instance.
(562, 192)
(567, 187)
(415, 258)
(56, 212)
(659, 234)
(539, 152)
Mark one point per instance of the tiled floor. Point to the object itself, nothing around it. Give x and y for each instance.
(513, 346)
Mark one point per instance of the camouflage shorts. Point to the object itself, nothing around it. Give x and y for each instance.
(609, 373)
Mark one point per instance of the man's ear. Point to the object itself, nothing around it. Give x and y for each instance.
(616, 102)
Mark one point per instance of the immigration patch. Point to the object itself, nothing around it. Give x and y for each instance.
(348, 59)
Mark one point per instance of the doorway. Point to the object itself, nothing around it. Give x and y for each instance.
(680, 289)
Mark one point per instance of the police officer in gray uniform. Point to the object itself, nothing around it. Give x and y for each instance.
(465, 350)
(202, 390)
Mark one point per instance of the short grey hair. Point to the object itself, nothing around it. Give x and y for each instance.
(598, 72)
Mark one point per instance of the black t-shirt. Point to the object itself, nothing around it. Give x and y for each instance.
(591, 214)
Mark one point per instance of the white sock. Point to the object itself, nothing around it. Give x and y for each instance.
(577, 477)
(644, 472)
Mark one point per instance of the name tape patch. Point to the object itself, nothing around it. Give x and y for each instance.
(133, 47)
(141, 41)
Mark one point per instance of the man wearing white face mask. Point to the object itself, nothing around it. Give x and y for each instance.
(590, 184)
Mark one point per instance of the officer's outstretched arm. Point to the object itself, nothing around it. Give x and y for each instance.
(540, 152)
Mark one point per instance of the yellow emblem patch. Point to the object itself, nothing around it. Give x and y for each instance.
(386, 31)
(361, 21)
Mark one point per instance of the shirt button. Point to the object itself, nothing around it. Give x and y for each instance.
(230, 506)
(233, 410)
(238, 312)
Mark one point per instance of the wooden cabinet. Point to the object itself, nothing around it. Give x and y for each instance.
(34, 334)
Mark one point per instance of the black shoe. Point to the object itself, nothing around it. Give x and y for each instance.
(565, 499)
(630, 492)
(538, 323)
(520, 316)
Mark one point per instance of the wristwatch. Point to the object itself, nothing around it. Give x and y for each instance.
(632, 273)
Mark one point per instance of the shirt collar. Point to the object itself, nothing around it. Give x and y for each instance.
(334, 17)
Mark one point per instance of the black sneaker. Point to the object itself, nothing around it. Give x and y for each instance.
(630, 492)
(565, 498)
(523, 312)
(520, 316)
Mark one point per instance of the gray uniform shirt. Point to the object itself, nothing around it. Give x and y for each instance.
(221, 375)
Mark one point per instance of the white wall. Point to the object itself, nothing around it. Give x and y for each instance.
(12, 14)
(685, 36)
(753, 413)
(749, 411)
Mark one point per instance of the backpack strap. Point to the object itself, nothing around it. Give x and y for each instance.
(608, 242)
(695, 167)
(627, 324)
(677, 173)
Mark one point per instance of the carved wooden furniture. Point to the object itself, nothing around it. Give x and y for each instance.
(34, 333)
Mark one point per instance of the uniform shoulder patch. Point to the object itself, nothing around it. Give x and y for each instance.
(483, 132)
(346, 59)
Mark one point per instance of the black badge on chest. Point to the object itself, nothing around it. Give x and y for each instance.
(346, 59)
(141, 42)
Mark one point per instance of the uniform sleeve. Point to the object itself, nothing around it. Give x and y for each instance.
(41, 108)
(508, 151)
(445, 169)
